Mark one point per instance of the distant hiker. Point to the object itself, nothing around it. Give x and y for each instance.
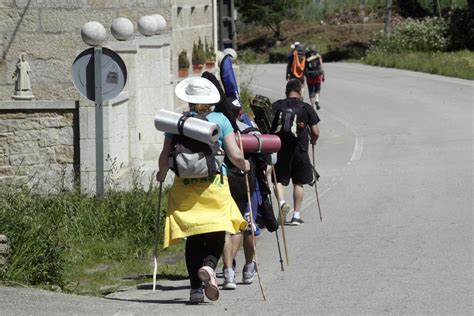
(294, 122)
(202, 210)
(314, 73)
(296, 63)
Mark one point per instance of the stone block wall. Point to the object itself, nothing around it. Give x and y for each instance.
(39, 145)
(191, 20)
(49, 32)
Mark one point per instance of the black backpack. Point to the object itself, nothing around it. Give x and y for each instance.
(313, 67)
(289, 121)
(190, 158)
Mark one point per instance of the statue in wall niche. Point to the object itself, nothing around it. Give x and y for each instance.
(21, 75)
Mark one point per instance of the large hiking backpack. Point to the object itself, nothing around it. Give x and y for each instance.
(289, 121)
(263, 111)
(313, 66)
(298, 64)
(190, 158)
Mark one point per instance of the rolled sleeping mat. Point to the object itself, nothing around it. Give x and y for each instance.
(259, 143)
(200, 130)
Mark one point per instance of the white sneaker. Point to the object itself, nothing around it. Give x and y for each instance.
(207, 276)
(249, 273)
(229, 280)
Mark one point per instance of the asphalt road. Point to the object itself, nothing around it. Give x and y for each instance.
(395, 157)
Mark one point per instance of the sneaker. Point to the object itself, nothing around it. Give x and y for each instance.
(229, 283)
(249, 276)
(296, 222)
(285, 209)
(207, 276)
(317, 106)
(196, 296)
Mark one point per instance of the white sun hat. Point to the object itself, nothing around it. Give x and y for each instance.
(197, 90)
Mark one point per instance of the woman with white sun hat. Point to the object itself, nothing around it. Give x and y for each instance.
(202, 212)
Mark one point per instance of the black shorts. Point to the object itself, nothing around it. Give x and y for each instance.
(294, 164)
(313, 89)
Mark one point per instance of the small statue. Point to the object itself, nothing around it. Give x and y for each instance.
(21, 75)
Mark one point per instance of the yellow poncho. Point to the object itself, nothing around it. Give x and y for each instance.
(197, 206)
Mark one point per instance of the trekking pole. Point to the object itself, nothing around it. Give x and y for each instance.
(251, 223)
(316, 179)
(282, 220)
(157, 236)
(277, 239)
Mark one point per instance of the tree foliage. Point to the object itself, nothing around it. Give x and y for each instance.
(269, 13)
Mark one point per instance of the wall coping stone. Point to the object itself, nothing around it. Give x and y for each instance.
(39, 105)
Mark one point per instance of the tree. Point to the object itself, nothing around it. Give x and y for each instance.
(267, 13)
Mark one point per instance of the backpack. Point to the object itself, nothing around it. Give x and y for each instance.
(288, 120)
(313, 66)
(298, 64)
(263, 112)
(190, 158)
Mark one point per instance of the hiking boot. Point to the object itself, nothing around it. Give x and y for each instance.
(249, 272)
(196, 296)
(296, 222)
(207, 276)
(285, 209)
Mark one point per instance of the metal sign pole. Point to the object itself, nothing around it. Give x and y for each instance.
(99, 126)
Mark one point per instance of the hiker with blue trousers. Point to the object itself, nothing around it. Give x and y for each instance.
(202, 211)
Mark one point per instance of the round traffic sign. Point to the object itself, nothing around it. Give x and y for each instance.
(114, 74)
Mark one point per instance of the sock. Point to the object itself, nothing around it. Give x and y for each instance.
(317, 98)
(282, 202)
(229, 273)
(249, 267)
(296, 215)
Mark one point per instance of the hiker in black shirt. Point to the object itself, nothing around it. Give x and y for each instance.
(295, 122)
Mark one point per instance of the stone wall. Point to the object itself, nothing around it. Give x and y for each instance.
(39, 145)
(49, 32)
(191, 20)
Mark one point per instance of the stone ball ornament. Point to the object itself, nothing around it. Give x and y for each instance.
(93, 33)
(161, 23)
(231, 52)
(147, 25)
(122, 29)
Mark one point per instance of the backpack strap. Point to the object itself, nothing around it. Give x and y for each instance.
(180, 123)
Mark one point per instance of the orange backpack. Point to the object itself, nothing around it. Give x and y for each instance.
(297, 65)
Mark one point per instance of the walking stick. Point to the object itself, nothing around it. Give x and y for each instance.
(282, 220)
(316, 179)
(251, 224)
(157, 236)
(278, 241)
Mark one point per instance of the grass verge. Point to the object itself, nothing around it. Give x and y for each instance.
(452, 64)
(79, 244)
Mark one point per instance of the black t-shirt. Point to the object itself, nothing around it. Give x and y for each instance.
(306, 115)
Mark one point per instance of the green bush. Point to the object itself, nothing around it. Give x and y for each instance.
(412, 35)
